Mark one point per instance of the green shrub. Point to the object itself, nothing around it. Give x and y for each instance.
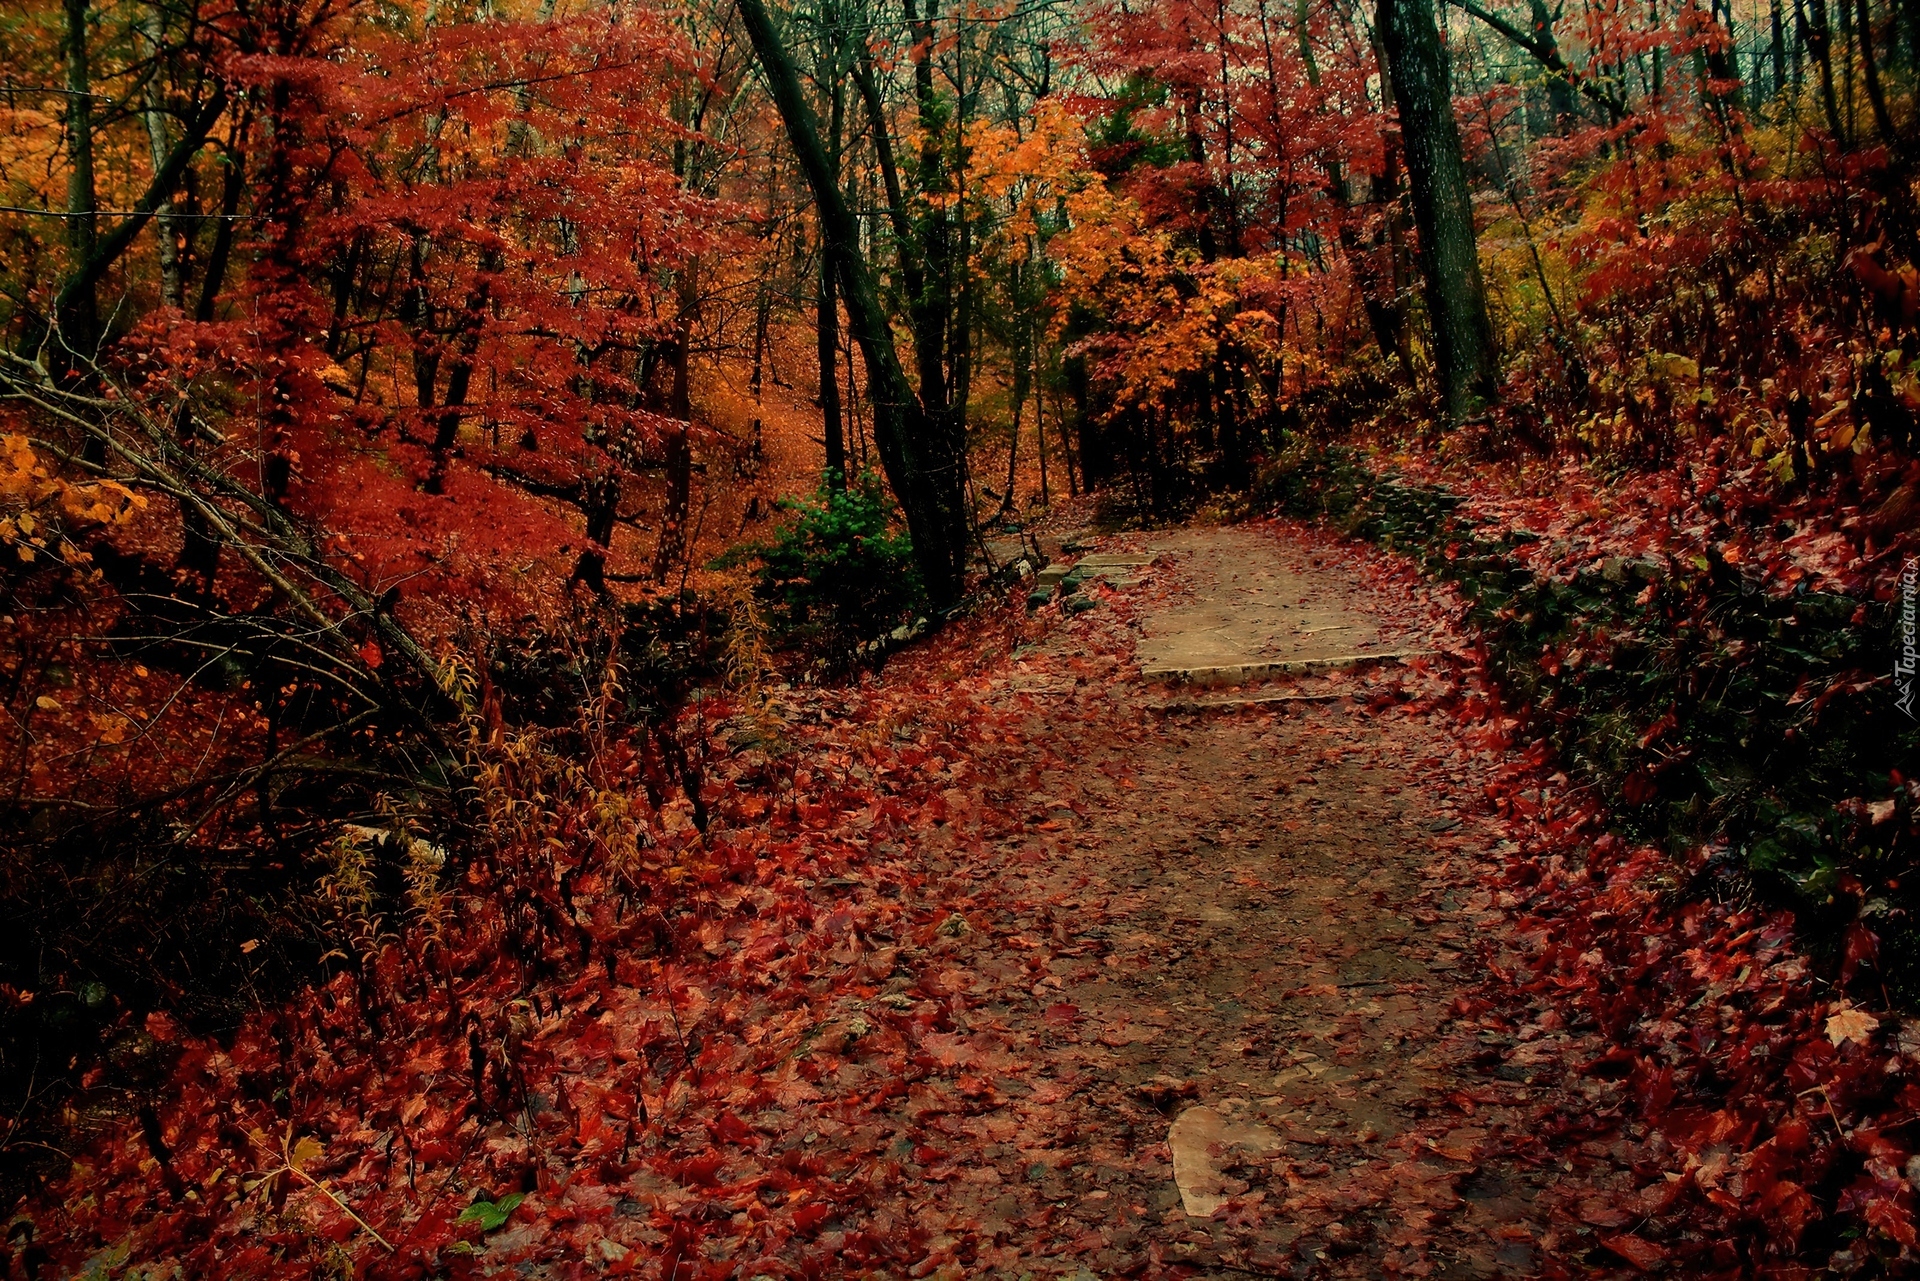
(838, 573)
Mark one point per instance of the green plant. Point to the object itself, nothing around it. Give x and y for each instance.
(838, 573)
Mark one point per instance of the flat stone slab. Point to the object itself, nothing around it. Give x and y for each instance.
(1259, 610)
(1243, 673)
(1205, 1144)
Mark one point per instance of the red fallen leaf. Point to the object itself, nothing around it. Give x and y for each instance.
(729, 1128)
(1640, 1252)
(1062, 1013)
(975, 1087)
(1601, 1214)
(1896, 1221)
(1863, 952)
(702, 1171)
(370, 655)
(1787, 1209)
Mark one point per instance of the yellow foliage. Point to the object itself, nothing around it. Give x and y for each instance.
(33, 493)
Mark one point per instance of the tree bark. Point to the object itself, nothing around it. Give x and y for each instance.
(924, 461)
(1560, 96)
(827, 331)
(1870, 71)
(671, 551)
(1818, 39)
(1777, 16)
(827, 307)
(77, 313)
(172, 287)
(1442, 206)
(233, 184)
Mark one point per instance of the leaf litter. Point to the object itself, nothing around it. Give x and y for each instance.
(978, 959)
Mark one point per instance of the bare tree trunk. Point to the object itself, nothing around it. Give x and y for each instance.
(1560, 95)
(672, 549)
(79, 318)
(1442, 207)
(1040, 437)
(1870, 70)
(1779, 50)
(166, 234)
(232, 183)
(827, 328)
(1818, 38)
(1022, 384)
(827, 303)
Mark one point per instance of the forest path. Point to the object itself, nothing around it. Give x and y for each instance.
(1213, 986)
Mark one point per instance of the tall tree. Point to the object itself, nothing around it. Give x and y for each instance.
(1463, 347)
(78, 317)
(923, 453)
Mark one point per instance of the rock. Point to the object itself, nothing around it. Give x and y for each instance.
(1081, 604)
(1162, 1090)
(1205, 1144)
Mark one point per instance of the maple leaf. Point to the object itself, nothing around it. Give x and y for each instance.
(1640, 1252)
(1849, 1024)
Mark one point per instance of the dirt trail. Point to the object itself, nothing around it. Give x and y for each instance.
(1228, 950)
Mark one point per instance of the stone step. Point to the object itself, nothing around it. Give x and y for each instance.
(1213, 676)
(1175, 706)
(1115, 560)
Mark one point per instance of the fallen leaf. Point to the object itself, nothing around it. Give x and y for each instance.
(1849, 1024)
(1640, 1252)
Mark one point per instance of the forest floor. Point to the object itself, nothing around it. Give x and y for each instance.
(1057, 949)
(1226, 956)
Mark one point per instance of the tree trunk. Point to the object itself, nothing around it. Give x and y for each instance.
(233, 183)
(166, 234)
(924, 461)
(671, 551)
(1022, 354)
(1818, 39)
(827, 329)
(78, 315)
(1779, 48)
(827, 312)
(1442, 207)
(1870, 72)
(1560, 95)
(1040, 437)
(931, 305)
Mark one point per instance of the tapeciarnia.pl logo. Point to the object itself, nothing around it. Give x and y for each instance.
(1905, 661)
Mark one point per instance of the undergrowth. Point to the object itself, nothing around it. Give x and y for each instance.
(1726, 704)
